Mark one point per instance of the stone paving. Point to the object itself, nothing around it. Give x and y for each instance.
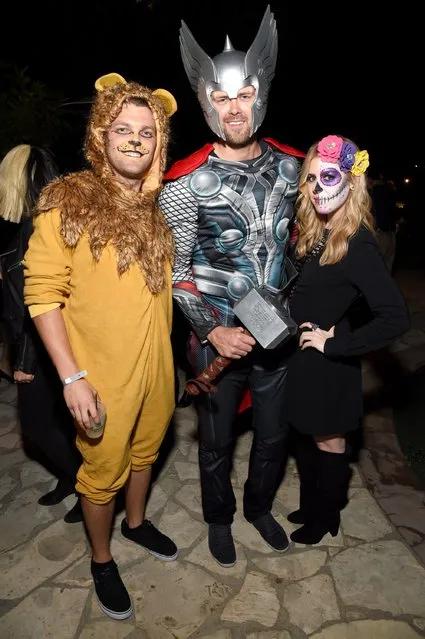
(365, 583)
(382, 463)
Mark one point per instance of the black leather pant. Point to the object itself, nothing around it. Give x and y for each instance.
(46, 421)
(264, 372)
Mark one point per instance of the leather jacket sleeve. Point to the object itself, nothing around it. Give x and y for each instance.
(19, 327)
(25, 357)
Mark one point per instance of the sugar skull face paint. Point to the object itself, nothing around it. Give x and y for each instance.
(328, 188)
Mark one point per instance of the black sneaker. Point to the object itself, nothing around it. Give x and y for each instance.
(272, 532)
(112, 595)
(146, 535)
(220, 542)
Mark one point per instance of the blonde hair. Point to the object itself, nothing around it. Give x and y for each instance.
(357, 212)
(14, 184)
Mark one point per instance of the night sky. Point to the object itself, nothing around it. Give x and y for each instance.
(359, 76)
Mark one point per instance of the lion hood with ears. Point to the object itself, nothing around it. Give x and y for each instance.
(96, 203)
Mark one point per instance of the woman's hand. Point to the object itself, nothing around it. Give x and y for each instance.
(19, 377)
(316, 337)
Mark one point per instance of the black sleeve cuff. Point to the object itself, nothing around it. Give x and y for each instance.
(335, 347)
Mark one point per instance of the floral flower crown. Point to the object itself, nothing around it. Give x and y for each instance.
(333, 149)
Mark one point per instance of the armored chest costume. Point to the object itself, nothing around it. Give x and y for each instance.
(231, 222)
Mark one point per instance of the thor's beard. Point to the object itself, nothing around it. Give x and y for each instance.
(237, 139)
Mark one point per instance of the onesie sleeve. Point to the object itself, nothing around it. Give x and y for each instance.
(47, 265)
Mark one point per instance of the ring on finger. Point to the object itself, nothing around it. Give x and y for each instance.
(314, 327)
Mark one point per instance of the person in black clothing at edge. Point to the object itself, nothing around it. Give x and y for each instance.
(340, 261)
(44, 417)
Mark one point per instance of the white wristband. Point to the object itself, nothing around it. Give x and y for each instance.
(73, 378)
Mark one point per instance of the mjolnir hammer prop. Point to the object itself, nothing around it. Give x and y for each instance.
(265, 316)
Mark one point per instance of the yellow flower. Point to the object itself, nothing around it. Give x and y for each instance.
(361, 162)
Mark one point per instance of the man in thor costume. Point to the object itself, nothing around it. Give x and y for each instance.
(231, 208)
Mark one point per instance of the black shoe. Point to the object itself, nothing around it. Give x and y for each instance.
(146, 535)
(112, 595)
(297, 517)
(184, 401)
(272, 532)
(220, 543)
(74, 515)
(314, 530)
(63, 489)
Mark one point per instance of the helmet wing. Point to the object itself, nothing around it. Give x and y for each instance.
(262, 54)
(197, 64)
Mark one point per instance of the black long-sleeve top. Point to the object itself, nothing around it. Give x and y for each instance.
(324, 394)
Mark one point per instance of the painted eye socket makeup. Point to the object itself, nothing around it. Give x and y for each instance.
(330, 177)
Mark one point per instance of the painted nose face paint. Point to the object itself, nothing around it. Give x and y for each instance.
(133, 146)
(331, 190)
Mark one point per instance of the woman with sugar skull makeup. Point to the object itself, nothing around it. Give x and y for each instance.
(340, 261)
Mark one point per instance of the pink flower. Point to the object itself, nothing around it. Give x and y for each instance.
(329, 148)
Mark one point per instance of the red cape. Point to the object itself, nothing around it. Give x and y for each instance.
(195, 160)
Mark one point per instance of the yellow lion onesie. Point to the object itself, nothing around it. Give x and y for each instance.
(103, 253)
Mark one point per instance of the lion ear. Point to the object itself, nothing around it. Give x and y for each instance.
(167, 99)
(108, 80)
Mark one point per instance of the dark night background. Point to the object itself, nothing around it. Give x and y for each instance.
(357, 74)
(354, 69)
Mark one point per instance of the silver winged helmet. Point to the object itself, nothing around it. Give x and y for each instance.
(232, 70)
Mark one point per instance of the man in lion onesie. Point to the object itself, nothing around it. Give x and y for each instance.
(98, 286)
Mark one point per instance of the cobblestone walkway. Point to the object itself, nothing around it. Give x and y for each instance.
(366, 583)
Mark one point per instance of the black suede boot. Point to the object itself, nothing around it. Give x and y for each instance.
(63, 488)
(74, 515)
(333, 479)
(306, 457)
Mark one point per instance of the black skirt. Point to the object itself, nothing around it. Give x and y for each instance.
(323, 397)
